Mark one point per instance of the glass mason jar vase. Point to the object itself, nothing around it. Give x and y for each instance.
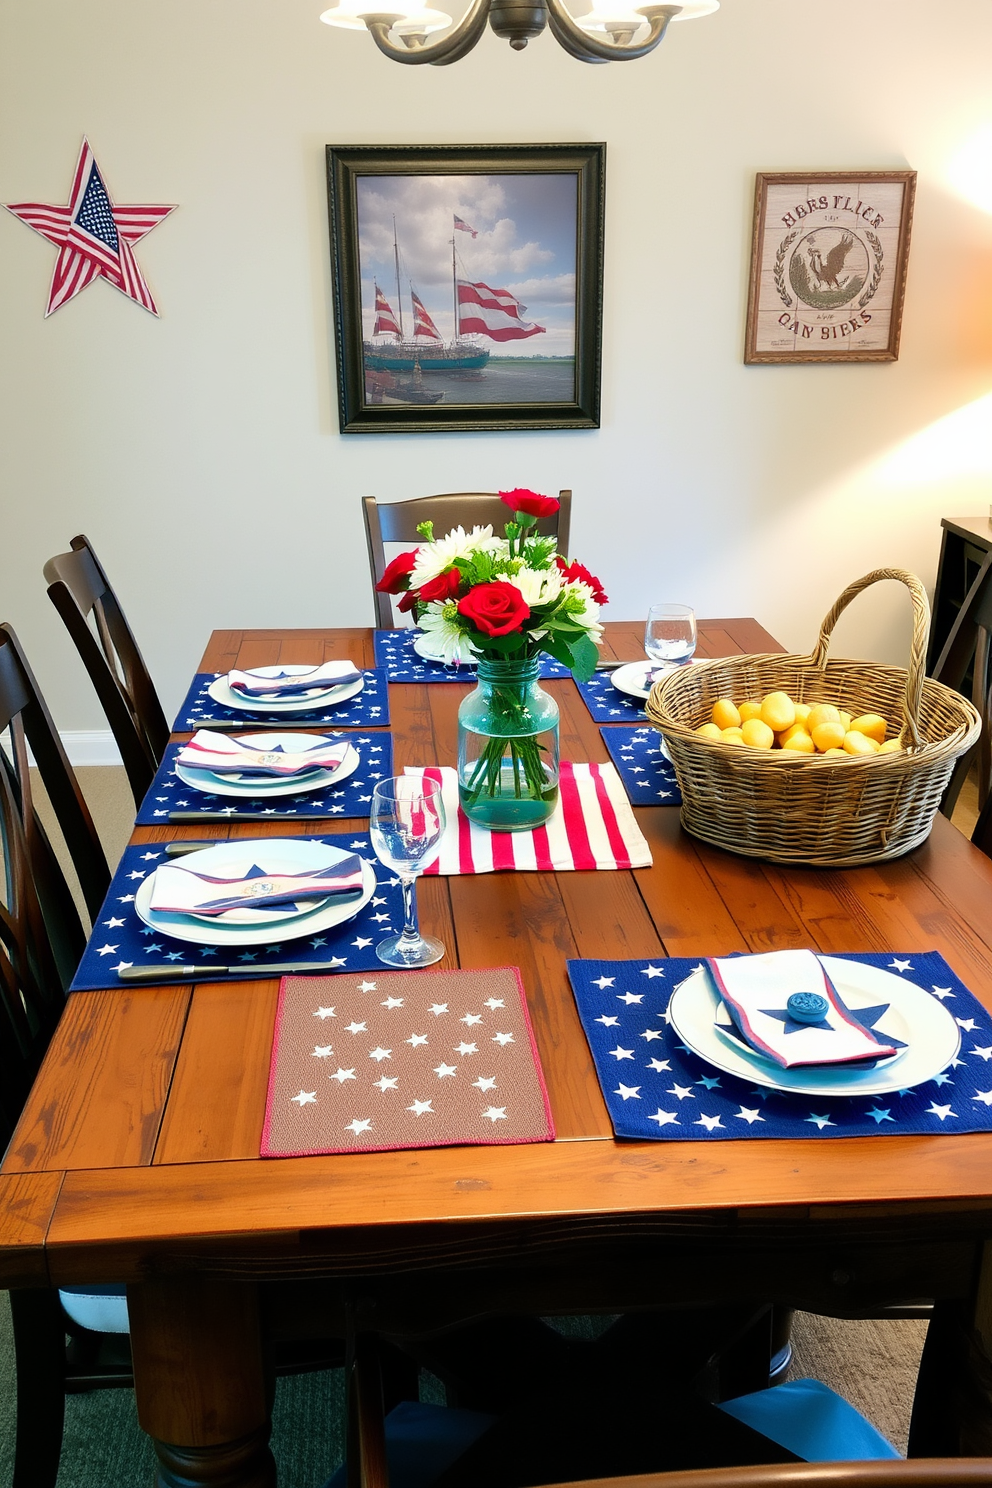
(508, 748)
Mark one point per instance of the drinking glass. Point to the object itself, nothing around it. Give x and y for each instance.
(669, 637)
(407, 820)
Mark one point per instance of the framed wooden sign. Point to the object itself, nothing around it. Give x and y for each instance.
(468, 286)
(828, 266)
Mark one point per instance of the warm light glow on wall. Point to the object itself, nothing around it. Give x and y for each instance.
(969, 170)
(954, 448)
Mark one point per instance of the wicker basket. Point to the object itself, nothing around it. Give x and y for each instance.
(818, 810)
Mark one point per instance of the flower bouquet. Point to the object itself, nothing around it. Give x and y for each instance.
(501, 602)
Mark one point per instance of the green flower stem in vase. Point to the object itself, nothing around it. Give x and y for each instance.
(508, 747)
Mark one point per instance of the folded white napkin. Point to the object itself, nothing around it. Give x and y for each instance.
(284, 684)
(180, 890)
(223, 755)
(757, 992)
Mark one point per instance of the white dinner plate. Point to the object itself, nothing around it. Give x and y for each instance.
(426, 649)
(303, 702)
(631, 678)
(235, 785)
(914, 1017)
(272, 855)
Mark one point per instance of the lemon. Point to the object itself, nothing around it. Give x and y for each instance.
(842, 752)
(778, 711)
(828, 735)
(732, 736)
(871, 724)
(891, 746)
(749, 710)
(709, 731)
(855, 743)
(783, 738)
(725, 714)
(823, 713)
(756, 733)
(799, 742)
(845, 719)
(803, 710)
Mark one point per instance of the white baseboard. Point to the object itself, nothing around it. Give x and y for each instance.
(90, 747)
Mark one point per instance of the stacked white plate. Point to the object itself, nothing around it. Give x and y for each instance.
(270, 785)
(302, 702)
(252, 924)
(913, 1017)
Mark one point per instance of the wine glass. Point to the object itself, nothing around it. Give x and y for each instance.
(407, 820)
(669, 637)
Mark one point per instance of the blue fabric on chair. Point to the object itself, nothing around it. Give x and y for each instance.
(422, 1442)
(808, 1418)
(101, 1309)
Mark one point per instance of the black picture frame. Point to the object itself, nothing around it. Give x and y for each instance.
(348, 168)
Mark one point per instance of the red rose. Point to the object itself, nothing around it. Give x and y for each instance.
(396, 575)
(445, 586)
(578, 573)
(530, 502)
(407, 602)
(495, 609)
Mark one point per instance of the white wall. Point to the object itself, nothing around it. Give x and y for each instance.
(201, 453)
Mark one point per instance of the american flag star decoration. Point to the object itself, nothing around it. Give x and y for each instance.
(94, 236)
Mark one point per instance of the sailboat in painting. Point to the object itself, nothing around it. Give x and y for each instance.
(479, 311)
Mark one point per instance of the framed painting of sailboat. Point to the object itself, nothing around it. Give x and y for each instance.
(468, 286)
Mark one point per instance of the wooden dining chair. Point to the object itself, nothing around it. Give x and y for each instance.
(397, 521)
(968, 646)
(25, 717)
(81, 592)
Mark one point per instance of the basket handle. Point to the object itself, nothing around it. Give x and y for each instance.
(918, 646)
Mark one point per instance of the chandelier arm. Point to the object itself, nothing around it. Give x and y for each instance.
(451, 49)
(580, 44)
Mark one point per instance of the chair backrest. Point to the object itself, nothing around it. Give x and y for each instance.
(79, 589)
(922, 1472)
(397, 522)
(969, 642)
(31, 990)
(26, 720)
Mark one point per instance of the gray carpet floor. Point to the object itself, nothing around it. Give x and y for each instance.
(873, 1364)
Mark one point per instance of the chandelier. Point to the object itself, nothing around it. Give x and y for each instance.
(613, 31)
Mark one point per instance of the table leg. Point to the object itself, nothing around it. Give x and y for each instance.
(952, 1410)
(199, 1381)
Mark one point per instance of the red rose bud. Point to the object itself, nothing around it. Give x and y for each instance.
(495, 609)
(408, 601)
(530, 502)
(445, 586)
(396, 575)
(578, 573)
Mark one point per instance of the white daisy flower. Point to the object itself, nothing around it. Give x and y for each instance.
(588, 616)
(447, 640)
(538, 586)
(433, 558)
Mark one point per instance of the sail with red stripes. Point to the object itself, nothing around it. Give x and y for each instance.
(385, 320)
(484, 311)
(422, 323)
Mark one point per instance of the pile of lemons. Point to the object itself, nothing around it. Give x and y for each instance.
(776, 722)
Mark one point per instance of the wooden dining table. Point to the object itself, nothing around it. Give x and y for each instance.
(137, 1157)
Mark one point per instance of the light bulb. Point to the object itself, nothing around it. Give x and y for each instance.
(413, 17)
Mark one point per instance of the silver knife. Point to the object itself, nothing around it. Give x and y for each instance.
(175, 972)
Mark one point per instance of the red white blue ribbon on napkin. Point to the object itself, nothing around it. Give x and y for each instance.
(180, 890)
(252, 683)
(223, 754)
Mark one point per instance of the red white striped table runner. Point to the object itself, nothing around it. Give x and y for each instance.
(592, 826)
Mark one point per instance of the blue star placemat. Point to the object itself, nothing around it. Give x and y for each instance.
(607, 703)
(395, 655)
(648, 777)
(657, 1089)
(120, 939)
(352, 797)
(367, 709)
